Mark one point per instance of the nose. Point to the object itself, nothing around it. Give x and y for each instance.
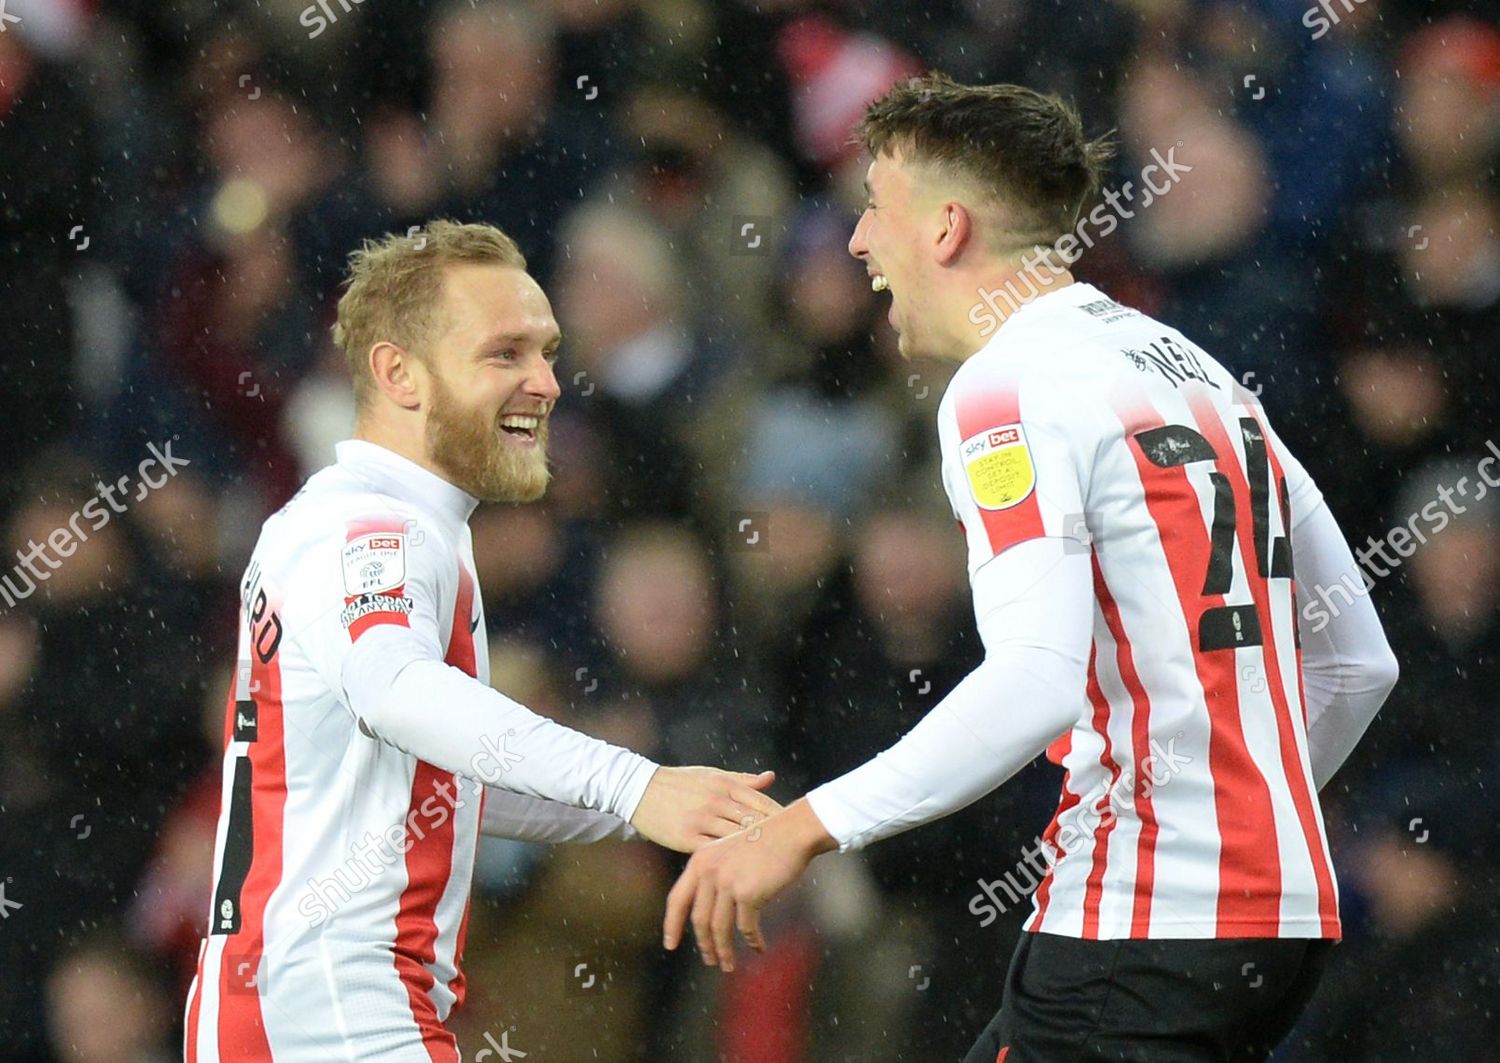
(857, 246)
(542, 382)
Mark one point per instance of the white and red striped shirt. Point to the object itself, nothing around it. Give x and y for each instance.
(1128, 511)
(364, 755)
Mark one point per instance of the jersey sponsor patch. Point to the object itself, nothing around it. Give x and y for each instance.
(374, 563)
(999, 466)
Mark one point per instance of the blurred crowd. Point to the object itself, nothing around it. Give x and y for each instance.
(745, 559)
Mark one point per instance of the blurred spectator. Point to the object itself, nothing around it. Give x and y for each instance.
(1291, 92)
(640, 367)
(45, 203)
(166, 917)
(535, 569)
(497, 148)
(1415, 318)
(658, 609)
(816, 428)
(106, 1005)
(320, 411)
(1203, 234)
(1425, 969)
(1449, 103)
(718, 199)
(1445, 614)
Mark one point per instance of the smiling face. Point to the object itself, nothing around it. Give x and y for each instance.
(966, 181)
(490, 382)
(888, 241)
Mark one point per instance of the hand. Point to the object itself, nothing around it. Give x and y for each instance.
(686, 808)
(728, 882)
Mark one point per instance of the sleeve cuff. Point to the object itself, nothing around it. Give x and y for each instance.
(634, 788)
(834, 813)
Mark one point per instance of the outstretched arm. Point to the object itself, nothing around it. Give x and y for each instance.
(376, 635)
(1034, 605)
(481, 733)
(535, 819)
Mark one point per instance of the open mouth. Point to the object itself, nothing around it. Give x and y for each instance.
(880, 283)
(520, 427)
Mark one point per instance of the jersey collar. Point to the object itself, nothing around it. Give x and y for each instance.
(391, 474)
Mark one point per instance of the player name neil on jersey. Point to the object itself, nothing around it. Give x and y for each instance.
(998, 464)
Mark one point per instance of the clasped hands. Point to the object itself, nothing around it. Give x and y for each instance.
(746, 849)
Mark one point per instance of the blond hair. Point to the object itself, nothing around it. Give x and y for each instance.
(394, 290)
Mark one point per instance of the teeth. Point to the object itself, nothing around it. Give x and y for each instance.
(518, 420)
(879, 283)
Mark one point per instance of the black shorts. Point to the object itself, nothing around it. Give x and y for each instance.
(1150, 1001)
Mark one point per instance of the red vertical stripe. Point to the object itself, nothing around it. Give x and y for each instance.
(241, 1029)
(1022, 521)
(1292, 763)
(1249, 863)
(463, 655)
(461, 638)
(1140, 745)
(429, 862)
(229, 703)
(1069, 801)
(1094, 888)
(428, 865)
(458, 984)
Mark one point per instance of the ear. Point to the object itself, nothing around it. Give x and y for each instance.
(956, 228)
(399, 376)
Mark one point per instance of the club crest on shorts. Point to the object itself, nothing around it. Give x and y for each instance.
(374, 563)
(998, 464)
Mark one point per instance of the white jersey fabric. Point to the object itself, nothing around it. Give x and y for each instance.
(364, 754)
(1129, 515)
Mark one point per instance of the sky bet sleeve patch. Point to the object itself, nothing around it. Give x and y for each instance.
(374, 563)
(999, 466)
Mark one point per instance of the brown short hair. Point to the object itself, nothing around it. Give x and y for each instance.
(395, 286)
(1028, 149)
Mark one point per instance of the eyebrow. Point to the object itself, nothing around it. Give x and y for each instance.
(552, 343)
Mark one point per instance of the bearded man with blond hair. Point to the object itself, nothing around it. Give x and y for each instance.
(365, 751)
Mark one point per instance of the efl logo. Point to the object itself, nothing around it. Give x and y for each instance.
(374, 563)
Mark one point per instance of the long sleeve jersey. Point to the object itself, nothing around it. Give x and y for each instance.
(365, 752)
(1130, 517)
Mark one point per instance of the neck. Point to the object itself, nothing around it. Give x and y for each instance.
(990, 297)
(398, 442)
